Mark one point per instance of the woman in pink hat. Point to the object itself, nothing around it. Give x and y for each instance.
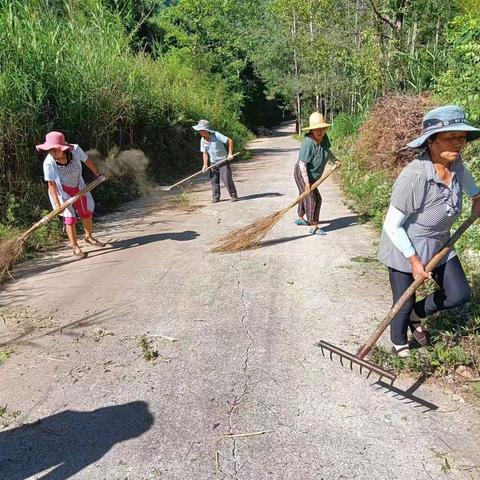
(62, 170)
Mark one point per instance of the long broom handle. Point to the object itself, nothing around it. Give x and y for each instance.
(313, 186)
(413, 287)
(54, 213)
(201, 171)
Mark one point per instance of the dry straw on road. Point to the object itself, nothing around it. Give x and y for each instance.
(251, 235)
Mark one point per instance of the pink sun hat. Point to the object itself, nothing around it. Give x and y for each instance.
(55, 140)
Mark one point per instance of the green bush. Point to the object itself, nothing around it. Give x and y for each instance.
(369, 190)
(344, 125)
(460, 81)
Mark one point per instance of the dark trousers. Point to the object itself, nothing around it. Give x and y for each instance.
(454, 291)
(311, 204)
(225, 173)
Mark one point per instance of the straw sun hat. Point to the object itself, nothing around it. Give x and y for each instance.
(316, 120)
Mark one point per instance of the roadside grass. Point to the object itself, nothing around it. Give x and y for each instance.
(7, 416)
(5, 355)
(149, 352)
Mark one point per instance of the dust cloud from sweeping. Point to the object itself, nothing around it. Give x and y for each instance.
(121, 163)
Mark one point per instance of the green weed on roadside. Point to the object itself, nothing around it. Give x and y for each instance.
(148, 350)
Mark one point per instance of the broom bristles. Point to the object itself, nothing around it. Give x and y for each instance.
(250, 236)
(10, 252)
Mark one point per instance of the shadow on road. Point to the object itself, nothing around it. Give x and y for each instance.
(69, 441)
(261, 195)
(272, 152)
(335, 224)
(339, 223)
(276, 241)
(407, 396)
(185, 236)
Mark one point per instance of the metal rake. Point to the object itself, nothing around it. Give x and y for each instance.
(359, 357)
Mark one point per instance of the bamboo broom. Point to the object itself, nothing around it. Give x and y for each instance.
(251, 235)
(211, 167)
(12, 249)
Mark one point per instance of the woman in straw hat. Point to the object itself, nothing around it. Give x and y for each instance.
(62, 170)
(312, 159)
(426, 200)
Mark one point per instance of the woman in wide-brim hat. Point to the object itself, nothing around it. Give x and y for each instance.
(426, 200)
(216, 148)
(62, 170)
(312, 158)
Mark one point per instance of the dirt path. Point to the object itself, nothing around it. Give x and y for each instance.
(82, 402)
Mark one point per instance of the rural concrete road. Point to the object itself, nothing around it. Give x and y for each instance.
(82, 402)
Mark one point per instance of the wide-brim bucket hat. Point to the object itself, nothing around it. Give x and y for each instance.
(316, 120)
(203, 125)
(450, 118)
(55, 140)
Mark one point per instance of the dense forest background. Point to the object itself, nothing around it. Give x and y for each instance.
(139, 73)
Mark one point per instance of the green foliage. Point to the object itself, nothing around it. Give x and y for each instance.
(340, 56)
(476, 388)
(368, 189)
(344, 125)
(439, 359)
(215, 37)
(460, 82)
(148, 350)
(4, 356)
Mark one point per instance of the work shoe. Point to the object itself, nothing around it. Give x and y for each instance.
(316, 231)
(418, 331)
(402, 351)
(234, 199)
(215, 200)
(301, 221)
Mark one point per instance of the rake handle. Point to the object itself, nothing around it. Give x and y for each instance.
(54, 213)
(313, 186)
(201, 171)
(413, 287)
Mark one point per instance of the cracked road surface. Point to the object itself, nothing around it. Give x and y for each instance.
(235, 337)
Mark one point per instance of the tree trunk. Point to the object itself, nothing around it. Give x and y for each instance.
(298, 109)
(298, 113)
(413, 39)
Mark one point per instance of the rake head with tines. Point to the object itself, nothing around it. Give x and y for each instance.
(359, 357)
